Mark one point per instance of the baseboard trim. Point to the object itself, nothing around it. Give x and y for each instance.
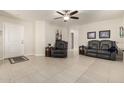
(39, 55)
(28, 54)
(1, 58)
(76, 49)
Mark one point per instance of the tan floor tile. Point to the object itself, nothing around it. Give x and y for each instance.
(79, 69)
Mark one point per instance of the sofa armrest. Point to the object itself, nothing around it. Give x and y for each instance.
(113, 56)
(85, 49)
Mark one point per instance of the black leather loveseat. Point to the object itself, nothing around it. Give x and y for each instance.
(60, 49)
(103, 49)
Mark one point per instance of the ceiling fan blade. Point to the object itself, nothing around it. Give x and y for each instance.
(73, 17)
(58, 18)
(59, 13)
(74, 12)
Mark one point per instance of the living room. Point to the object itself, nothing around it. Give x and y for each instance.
(28, 32)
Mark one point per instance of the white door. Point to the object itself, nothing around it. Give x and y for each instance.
(1, 42)
(14, 36)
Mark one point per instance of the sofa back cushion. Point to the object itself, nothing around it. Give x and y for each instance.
(106, 44)
(61, 44)
(93, 44)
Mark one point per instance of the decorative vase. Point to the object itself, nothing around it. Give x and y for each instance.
(57, 35)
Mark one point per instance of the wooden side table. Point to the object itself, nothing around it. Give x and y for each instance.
(81, 50)
(48, 51)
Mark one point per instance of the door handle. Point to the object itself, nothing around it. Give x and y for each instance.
(22, 42)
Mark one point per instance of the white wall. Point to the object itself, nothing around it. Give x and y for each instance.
(112, 25)
(37, 34)
(44, 34)
(1, 44)
(123, 38)
(51, 32)
(1, 41)
(29, 38)
(40, 38)
(28, 32)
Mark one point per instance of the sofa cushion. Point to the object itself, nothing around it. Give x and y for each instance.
(105, 52)
(105, 47)
(106, 44)
(91, 54)
(93, 44)
(61, 44)
(92, 50)
(104, 56)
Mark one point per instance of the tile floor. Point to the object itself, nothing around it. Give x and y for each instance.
(74, 69)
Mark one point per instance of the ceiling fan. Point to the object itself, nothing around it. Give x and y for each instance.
(67, 14)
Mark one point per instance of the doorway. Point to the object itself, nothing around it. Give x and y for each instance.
(1, 44)
(14, 40)
(72, 41)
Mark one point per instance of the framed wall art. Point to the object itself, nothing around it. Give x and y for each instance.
(121, 31)
(104, 34)
(91, 35)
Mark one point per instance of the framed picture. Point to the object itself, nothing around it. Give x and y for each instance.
(91, 35)
(104, 34)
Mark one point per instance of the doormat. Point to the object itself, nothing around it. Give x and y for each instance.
(19, 59)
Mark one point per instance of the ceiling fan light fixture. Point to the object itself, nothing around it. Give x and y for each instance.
(66, 18)
(67, 15)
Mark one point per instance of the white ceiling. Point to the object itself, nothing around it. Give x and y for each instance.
(86, 16)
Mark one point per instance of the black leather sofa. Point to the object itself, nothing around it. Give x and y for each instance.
(103, 49)
(92, 49)
(60, 49)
